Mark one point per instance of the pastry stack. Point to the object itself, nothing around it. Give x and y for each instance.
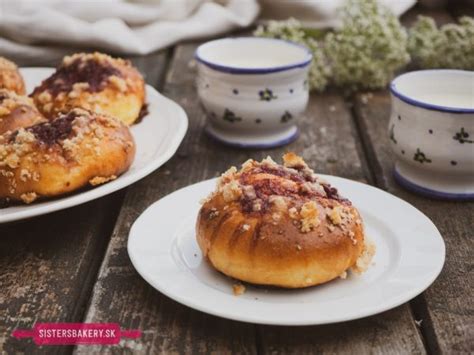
(72, 131)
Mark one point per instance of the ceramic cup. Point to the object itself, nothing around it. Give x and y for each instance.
(253, 89)
(432, 132)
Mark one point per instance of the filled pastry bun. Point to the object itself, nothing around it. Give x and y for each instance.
(96, 82)
(17, 111)
(74, 150)
(281, 225)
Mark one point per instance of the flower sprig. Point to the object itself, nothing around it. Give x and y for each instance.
(450, 46)
(372, 45)
(292, 30)
(369, 48)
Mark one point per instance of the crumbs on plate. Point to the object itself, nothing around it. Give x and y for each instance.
(238, 289)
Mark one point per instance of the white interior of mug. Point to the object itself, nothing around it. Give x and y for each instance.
(253, 53)
(441, 89)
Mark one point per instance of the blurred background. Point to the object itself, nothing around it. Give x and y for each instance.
(33, 31)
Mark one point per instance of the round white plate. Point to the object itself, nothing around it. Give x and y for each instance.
(410, 255)
(157, 138)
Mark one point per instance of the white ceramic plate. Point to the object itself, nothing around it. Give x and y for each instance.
(410, 255)
(157, 138)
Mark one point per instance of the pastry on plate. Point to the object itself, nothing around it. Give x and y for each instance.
(96, 82)
(17, 111)
(74, 150)
(281, 225)
(10, 77)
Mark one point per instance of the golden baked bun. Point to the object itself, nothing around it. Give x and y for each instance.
(10, 77)
(95, 82)
(277, 225)
(17, 111)
(63, 155)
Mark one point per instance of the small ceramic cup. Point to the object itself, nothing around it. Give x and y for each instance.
(432, 132)
(253, 89)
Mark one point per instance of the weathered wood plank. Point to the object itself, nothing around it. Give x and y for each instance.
(391, 332)
(48, 267)
(49, 264)
(445, 308)
(327, 143)
(120, 294)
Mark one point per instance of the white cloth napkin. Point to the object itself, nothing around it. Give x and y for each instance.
(41, 31)
(32, 31)
(319, 13)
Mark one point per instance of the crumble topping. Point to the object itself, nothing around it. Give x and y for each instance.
(292, 189)
(231, 191)
(293, 213)
(291, 160)
(310, 216)
(249, 192)
(9, 97)
(335, 215)
(82, 72)
(44, 97)
(67, 132)
(238, 289)
(29, 197)
(279, 202)
(214, 213)
(118, 82)
(6, 64)
(365, 258)
(352, 236)
(98, 180)
(9, 101)
(247, 165)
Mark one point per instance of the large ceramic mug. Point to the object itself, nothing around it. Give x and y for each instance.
(432, 132)
(253, 89)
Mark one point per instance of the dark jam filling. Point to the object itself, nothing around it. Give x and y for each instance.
(267, 187)
(143, 112)
(79, 71)
(280, 172)
(50, 132)
(247, 205)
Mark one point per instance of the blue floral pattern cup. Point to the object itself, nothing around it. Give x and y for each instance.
(253, 89)
(431, 131)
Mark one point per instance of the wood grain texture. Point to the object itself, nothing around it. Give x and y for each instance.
(120, 294)
(445, 309)
(392, 332)
(48, 268)
(327, 142)
(49, 264)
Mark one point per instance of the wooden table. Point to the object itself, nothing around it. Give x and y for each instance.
(72, 266)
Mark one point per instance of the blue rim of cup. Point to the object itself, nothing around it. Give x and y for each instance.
(424, 191)
(428, 106)
(266, 70)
